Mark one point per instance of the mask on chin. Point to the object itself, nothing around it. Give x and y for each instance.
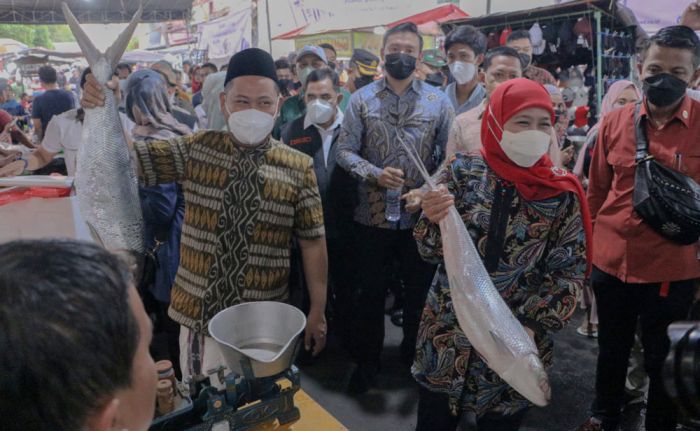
(250, 127)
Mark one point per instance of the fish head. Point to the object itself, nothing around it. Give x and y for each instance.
(527, 376)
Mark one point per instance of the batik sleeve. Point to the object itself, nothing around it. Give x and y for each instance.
(350, 144)
(163, 161)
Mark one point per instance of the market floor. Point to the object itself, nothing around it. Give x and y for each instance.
(393, 406)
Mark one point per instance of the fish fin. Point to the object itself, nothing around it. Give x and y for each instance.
(92, 54)
(114, 53)
(95, 235)
(501, 345)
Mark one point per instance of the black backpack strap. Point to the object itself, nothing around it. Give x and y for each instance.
(640, 128)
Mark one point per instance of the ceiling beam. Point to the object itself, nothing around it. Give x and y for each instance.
(31, 16)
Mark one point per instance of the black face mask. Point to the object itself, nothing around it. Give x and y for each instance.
(285, 83)
(400, 66)
(435, 79)
(332, 65)
(664, 89)
(361, 82)
(526, 59)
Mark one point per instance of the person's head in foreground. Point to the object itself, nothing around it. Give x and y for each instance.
(401, 50)
(251, 97)
(670, 64)
(74, 344)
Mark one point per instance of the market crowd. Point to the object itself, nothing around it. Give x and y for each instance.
(288, 181)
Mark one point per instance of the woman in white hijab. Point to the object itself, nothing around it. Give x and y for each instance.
(209, 112)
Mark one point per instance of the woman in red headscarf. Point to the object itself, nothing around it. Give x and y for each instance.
(530, 223)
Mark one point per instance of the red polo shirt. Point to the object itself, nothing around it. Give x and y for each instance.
(623, 245)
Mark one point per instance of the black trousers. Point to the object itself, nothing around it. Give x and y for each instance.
(373, 247)
(434, 415)
(620, 306)
(166, 337)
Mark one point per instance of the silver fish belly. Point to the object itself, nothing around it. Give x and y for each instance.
(486, 320)
(106, 184)
(105, 181)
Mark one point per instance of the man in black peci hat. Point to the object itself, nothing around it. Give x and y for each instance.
(246, 196)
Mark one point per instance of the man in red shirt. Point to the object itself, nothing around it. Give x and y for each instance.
(638, 274)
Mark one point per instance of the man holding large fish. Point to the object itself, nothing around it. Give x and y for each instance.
(529, 223)
(246, 196)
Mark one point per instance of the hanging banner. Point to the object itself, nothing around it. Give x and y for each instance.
(655, 15)
(345, 13)
(226, 36)
(342, 42)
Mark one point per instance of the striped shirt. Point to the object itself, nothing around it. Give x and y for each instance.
(242, 208)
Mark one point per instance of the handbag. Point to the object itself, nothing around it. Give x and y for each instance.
(665, 199)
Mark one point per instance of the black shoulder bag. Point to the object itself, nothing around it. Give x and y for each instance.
(665, 199)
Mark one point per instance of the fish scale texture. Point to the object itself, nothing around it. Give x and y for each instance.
(106, 183)
(480, 310)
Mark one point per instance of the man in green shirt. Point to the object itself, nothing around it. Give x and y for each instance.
(309, 58)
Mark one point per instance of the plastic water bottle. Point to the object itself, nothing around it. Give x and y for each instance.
(392, 209)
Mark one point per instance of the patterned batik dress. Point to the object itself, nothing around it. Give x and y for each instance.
(538, 268)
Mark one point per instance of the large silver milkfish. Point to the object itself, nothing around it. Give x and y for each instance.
(105, 181)
(484, 317)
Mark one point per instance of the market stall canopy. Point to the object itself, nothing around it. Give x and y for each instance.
(11, 46)
(338, 23)
(94, 11)
(441, 14)
(142, 56)
(515, 18)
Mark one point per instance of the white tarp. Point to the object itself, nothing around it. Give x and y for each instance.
(325, 15)
(226, 36)
(655, 15)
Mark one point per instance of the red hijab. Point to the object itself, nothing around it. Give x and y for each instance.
(543, 180)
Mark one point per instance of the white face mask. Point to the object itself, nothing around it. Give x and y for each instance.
(304, 74)
(319, 112)
(251, 127)
(463, 72)
(525, 148)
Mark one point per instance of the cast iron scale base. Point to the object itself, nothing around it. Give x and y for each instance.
(232, 409)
